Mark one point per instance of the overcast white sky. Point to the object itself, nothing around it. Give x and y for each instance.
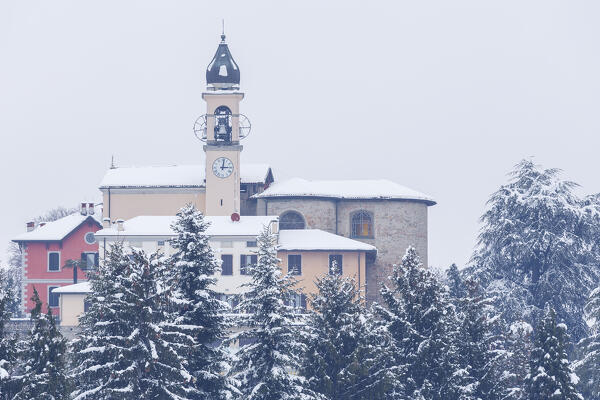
(441, 96)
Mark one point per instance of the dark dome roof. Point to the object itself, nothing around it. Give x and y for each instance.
(223, 72)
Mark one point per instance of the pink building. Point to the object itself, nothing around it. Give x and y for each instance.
(48, 247)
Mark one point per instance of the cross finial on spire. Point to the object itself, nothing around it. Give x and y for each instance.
(223, 31)
(112, 162)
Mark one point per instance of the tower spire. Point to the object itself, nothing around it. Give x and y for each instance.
(223, 73)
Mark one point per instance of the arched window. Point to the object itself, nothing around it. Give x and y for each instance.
(291, 220)
(362, 224)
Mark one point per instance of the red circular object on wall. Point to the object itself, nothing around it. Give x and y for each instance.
(235, 217)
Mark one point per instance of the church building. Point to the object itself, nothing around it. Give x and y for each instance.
(364, 226)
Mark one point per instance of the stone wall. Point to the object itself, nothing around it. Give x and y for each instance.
(317, 213)
(397, 225)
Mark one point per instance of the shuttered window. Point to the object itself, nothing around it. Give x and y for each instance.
(246, 262)
(335, 264)
(227, 265)
(295, 264)
(52, 297)
(53, 261)
(89, 260)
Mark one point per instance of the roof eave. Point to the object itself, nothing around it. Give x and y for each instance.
(62, 238)
(429, 202)
(153, 187)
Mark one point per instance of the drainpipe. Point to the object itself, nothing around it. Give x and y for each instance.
(359, 273)
(109, 207)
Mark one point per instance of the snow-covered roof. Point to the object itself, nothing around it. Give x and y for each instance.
(56, 230)
(344, 189)
(174, 176)
(161, 226)
(316, 239)
(82, 288)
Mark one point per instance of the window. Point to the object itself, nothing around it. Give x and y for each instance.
(90, 238)
(295, 264)
(335, 264)
(89, 260)
(246, 262)
(298, 301)
(53, 261)
(161, 243)
(232, 300)
(251, 243)
(52, 297)
(291, 220)
(227, 264)
(362, 224)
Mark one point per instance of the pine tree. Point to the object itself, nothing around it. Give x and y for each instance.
(344, 351)
(420, 319)
(588, 365)
(199, 312)
(456, 286)
(7, 344)
(106, 327)
(126, 350)
(537, 245)
(265, 367)
(479, 351)
(551, 377)
(43, 359)
(516, 362)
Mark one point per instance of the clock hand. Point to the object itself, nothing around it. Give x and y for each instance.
(223, 166)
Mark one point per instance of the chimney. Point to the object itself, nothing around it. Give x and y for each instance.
(106, 223)
(120, 225)
(83, 209)
(30, 226)
(90, 208)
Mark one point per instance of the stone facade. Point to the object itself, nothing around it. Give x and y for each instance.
(397, 224)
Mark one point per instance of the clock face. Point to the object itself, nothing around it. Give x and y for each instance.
(222, 167)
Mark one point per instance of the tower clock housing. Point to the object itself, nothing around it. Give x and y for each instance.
(222, 128)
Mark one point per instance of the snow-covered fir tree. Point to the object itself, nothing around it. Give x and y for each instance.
(346, 352)
(537, 246)
(479, 350)
(7, 344)
(43, 372)
(126, 350)
(588, 365)
(199, 313)
(551, 377)
(105, 328)
(265, 367)
(516, 361)
(421, 321)
(456, 285)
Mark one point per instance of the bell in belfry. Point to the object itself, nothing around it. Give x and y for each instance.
(222, 131)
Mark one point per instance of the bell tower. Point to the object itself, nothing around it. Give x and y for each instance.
(222, 128)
